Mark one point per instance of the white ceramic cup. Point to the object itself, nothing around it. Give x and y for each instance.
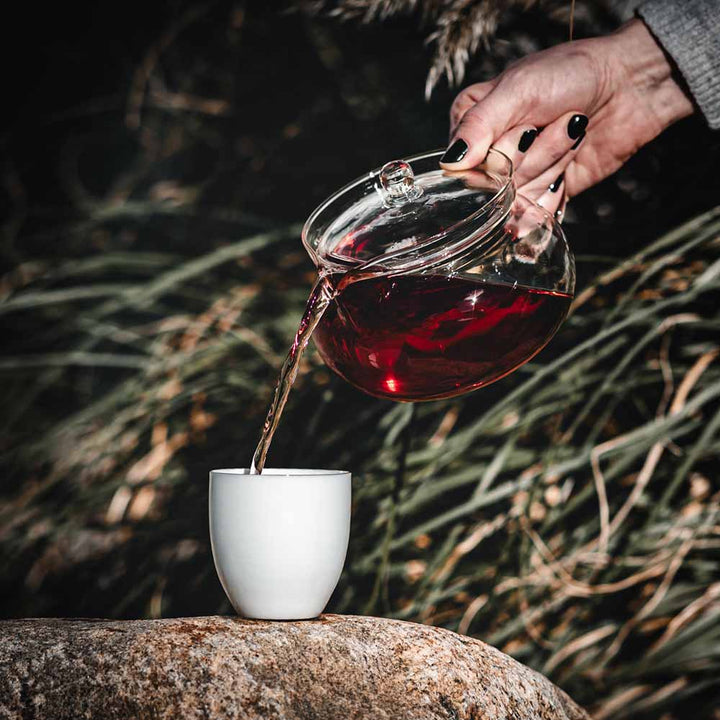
(279, 539)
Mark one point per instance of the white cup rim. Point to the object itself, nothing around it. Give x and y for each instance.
(279, 472)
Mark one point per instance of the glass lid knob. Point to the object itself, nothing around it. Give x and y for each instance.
(397, 183)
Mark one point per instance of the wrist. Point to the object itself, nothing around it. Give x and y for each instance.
(646, 70)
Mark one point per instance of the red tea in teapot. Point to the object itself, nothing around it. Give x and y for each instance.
(423, 337)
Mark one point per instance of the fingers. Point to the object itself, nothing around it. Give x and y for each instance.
(486, 115)
(465, 100)
(560, 139)
(560, 211)
(549, 188)
(483, 123)
(566, 169)
(554, 199)
(491, 122)
(516, 142)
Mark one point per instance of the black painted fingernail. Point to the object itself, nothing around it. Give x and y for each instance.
(456, 152)
(558, 182)
(527, 139)
(576, 144)
(577, 125)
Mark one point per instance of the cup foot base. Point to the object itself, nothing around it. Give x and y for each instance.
(284, 618)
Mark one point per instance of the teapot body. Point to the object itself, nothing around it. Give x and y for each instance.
(425, 317)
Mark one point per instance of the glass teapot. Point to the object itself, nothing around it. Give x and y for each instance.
(441, 282)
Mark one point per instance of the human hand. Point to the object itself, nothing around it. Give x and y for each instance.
(596, 102)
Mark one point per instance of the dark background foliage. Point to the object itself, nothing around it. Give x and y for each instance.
(156, 163)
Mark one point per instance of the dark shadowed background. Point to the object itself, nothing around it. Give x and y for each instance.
(156, 165)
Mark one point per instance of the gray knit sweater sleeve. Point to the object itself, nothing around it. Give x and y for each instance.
(689, 30)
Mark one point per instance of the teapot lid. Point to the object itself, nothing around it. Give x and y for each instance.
(407, 209)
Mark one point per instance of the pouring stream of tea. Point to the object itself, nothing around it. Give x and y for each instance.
(321, 296)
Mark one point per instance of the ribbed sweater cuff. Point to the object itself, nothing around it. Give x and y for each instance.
(689, 30)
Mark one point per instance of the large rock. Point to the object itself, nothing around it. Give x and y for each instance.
(333, 668)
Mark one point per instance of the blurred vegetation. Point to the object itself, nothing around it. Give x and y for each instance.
(153, 278)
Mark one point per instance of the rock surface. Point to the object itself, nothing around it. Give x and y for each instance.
(333, 668)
